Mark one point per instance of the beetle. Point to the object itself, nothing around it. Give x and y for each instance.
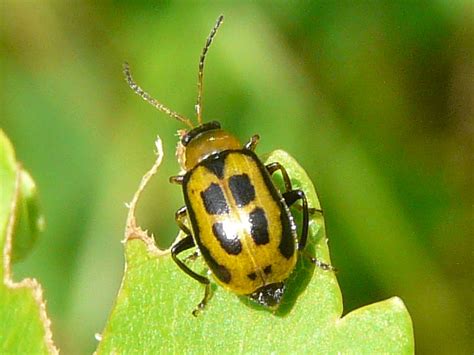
(241, 223)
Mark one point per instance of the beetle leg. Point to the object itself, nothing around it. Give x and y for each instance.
(182, 245)
(178, 179)
(313, 211)
(179, 216)
(290, 198)
(275, 166)
(252, 143)
(185, 244)
(192, 257)
(322, 265)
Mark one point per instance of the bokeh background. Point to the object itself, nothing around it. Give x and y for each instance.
(375, 99)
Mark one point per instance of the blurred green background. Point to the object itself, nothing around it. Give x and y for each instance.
(374, 99)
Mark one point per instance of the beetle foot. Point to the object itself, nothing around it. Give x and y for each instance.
(322, 265)
(191, 257)
(200, 307)
(313, 211)
(207, 296)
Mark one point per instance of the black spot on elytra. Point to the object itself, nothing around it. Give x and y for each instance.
(267, 270)
(221, 272)
(287, 243)
(215, 165)
(242, 189)
(252, 276)
(229, 242)
(259, 226)
(214, 200)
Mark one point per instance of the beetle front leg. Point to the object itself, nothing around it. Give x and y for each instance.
(252, 143)
(178, 179)
(183, 245)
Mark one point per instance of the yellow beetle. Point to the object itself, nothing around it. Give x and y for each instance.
(240, 222)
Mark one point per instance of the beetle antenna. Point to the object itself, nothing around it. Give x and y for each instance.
(145, 96)
(198, 106)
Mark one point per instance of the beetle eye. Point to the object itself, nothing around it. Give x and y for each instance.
(208, 126)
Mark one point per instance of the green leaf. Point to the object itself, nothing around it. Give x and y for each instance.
(30, 220)
(25, 327)
(153, 308)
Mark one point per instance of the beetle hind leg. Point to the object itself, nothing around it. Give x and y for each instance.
(312, 211)
(322, 265)
(207, 296)
(290, 198)
(183, 245)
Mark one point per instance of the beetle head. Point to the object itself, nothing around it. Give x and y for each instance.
(205, 140)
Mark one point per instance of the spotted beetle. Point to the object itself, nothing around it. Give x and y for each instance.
(240, 221)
